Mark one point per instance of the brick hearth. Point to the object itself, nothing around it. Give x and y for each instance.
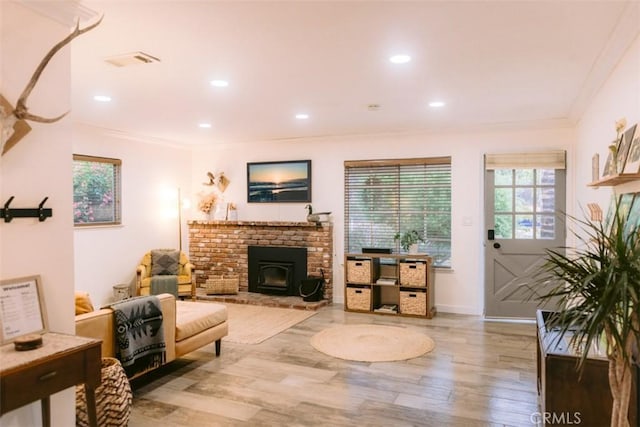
(220, 247)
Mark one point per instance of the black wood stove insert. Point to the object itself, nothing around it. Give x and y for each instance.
(276, 270)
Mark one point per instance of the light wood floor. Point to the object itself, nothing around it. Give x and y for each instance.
(479, 374)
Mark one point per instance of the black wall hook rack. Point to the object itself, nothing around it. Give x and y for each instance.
(40, 212)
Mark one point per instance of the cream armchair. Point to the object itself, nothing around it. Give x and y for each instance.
(186, 286)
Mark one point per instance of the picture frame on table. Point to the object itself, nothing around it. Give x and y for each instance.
(279, 182)
(22, 308)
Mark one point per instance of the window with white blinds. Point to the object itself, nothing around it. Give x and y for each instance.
(96, 190)
(385, 197)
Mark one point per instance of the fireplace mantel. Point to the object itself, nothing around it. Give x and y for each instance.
(259, 223)
(220, 247)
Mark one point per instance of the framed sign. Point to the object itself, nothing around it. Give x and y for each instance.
(279, 182)
(22, 309)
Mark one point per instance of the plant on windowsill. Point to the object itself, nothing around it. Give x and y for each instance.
(596, 289)
(409, 240)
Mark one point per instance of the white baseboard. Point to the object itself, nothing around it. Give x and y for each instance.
(458, 309)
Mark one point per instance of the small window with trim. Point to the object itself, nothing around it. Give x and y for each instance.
(96, 190)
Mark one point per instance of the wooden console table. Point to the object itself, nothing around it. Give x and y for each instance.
(63, 361)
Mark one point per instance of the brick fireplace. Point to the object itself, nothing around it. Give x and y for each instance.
(221, 247)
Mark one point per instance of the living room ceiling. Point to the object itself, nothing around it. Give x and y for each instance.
(493, 64)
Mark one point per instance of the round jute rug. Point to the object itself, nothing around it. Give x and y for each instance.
(372, 343)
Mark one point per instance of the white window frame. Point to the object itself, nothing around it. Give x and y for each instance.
(116, 208)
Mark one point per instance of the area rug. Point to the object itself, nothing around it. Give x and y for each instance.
(372, 343)
(252, 324)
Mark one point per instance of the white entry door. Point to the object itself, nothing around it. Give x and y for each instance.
(524, 212)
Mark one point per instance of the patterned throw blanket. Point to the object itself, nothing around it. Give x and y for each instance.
(139, 334)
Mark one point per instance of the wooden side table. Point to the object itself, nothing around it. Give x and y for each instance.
(63, 361)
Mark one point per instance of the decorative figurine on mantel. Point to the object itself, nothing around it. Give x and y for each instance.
(316, 217)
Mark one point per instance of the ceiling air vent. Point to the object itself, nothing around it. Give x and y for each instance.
(132, 58)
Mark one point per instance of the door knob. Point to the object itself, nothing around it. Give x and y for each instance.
(496, 245)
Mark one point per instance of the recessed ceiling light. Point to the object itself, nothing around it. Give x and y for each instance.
(400, 59)
(102, 98)
(219, 83)
(302, 116)
(436, 104)
(205, 125)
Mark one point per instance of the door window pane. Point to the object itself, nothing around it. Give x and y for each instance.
(545, 199)
(524, 226)
(524, 176)
(503, 226)
(503, 201)
(546, 227)
(503, 177)
(524, 199)
(546, 176)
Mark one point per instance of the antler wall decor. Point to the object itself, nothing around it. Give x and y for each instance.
(13, 125)
(222, 182)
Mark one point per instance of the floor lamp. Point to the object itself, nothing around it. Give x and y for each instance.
(179, 220)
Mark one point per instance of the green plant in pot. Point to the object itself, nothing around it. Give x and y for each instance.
(409, 240)
(596, 290)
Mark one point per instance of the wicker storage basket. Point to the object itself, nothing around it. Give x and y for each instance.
(360, 271)
(222, 284)
(413, 302)
(358, 298)
(413, 273)
(113, 397)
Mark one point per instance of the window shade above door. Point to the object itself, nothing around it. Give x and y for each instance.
(539, 160)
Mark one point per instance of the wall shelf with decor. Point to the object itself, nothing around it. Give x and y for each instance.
(391, 284)
(613, 180)
(623, 161)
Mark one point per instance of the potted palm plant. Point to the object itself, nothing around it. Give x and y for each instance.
(596, 289)
(409, 240)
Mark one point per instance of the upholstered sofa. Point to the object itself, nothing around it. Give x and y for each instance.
(187, 326)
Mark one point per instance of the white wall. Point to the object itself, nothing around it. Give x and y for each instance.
(39, 166)
(151, 175)
(459, 290)
(618, 98)
(147, 168)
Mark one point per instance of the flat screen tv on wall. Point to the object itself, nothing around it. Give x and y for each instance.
(279, 182)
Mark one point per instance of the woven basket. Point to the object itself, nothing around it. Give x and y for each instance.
(413, 302)
(359, 271)
(358, 298)
(222, 284)
(413, 274)
(113, 397)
